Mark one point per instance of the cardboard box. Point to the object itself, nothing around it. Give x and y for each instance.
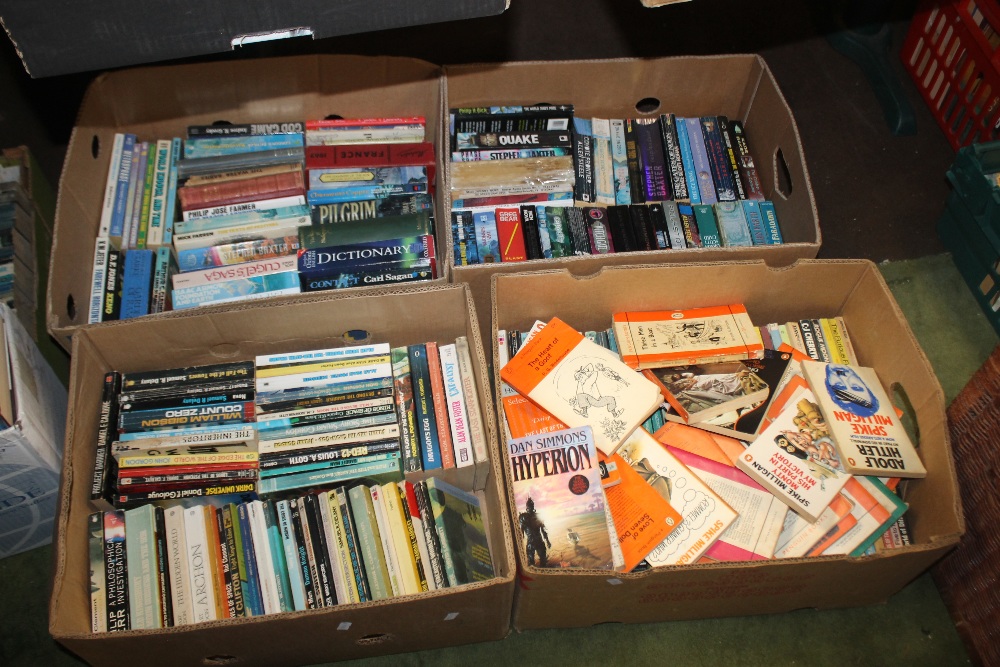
(738, 86)
(160, 102)
(59, 37)
(471, 613)
(31, 448)
(809, 288)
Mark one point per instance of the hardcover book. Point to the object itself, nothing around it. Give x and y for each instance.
(581, 384)
(795, 459)
(658, 339)
(862, 421)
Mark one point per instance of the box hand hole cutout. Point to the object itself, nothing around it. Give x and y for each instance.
(218, 660)
(369, 640)
(70, 307)
(647, 105)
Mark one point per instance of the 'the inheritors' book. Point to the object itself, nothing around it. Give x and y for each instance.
(659, 339)
(795, 459)
(582, 383)
(863, 423)
(560, 500)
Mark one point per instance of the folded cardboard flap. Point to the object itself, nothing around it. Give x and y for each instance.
(160, 102)
(808, 289)
(475, 612)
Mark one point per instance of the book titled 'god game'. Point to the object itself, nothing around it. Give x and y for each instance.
(582, 384)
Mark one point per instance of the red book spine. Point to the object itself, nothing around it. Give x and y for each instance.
(511, 235)
(440, 406)
(365, 122)
(372, 155)
(237, 192)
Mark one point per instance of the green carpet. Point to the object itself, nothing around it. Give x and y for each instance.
(912, 628)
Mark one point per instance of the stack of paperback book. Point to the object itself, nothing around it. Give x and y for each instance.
(780, 455)
(234, 212)
(537, 182)
(16, 210)
(154, 568)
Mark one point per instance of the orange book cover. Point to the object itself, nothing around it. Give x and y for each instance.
(511, 235)
(712, 446)
(658, 339)
(581, 384)
(440, 406)
(643, 518)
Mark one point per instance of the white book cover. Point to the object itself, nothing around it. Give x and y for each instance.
(385, 536)
(332, 438)
(220, 274)
(262, 552)
(111, 186)
(158, 200)
(180, 583)
(795, 458)
(329, 354)
(341, 591)
(458, 412)
(281, 382)
(229, 209)
(199, 570)
(477, 429)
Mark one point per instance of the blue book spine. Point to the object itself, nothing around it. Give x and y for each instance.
(245, 218)
(252, 599)
(386, 470)
(137, 283)
(732, 224)
(487, 238)
(619, 159)
(423, 405)
(722, 176)
(702, 167)
(233, 290)
(291, 552)
(407, 252)
(687, 160)
(162, 269)
(362, 192)
(218, 146)
(170, 211)
(771, 227)
(755, 222)
(708, 228)
(281, 576)
(121, 189)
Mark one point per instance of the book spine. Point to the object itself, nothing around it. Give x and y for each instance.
(108, 206)
(180, 583)
(237, 253)
(378, 469)
(235, 290)
(560, 236)
(477, 428)
(370, 155)
(323, 214)
(603, 164)
(455, 406)
(136, 283)
(642, 229)
(411, 538)
(461, 242)
(708, 228)
(598, 230)
(440, 408)
(577, 230)
(247, 232)
(98, 578)
(116, 572)
(772, 230)
(131, 498)
(404, 398)
(222, 146)
(261, 207)
(687, 161)
(162, 265)
(158, 198)
(107, 430)
(755, 222)
(342, 550)
(702, 167)
(732, 224)
(224, 602)
(652, 160)
(236, 570)
(510, 235)
(112, 296)
(717, 159)
(409, 252)
(529, 222)
(659, 221)
(748, 171)
(196, 537)
(241, 411)
(730, 155)
(134, 202)
(437, 510)
(385, 537)
(330, 136)
(691, 236)
(161, 576)
(544, 238)
(412, 511)
(423, 404)
(147, 196)
(255, 535)
(619, 158)
(320, 552)
(244, 129)
(277, 547)
(333, 552)
(637, 186)
(364, 523)
(430, 533)
(170, 199)
(672, 153)
(140, 556)
(226, 193)
(511, 154)
(244, 537)
(302, 560)
(123, 172)
(339, 178)
(353, 544)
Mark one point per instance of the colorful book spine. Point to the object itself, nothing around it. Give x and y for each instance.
(163, 264)
(236, 253)
(110, 185)
(116, 572)
(718, 160)
(236, 290)
(510, 235)
(158, 197)
(604, 187)
(98, 580)
(672, 152)
(755, 221)
(692, 238)
(371, 155)
(687, 161)
(143, 584)
(702, 167)
(731, 159)
(221, 146)
(441, 414)
(455, 406)
(350, 194)
(137, 280)
(252, 592)
(619, 159)
(123, 174)
(351, 177)
(244, 208)
(423, 404)
(205, 224)
(147, 196)
(708, 228)
(732, 224)
(772, 230)
(408, 252)
(134, 201)
(170, 207)
(487, 237)
(635, 174)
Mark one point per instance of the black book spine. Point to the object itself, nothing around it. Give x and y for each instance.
(344, 454)
(490, 140)
(672, 151)
(717, 159)
(302, 553)
(321, 553)
(228, 537)
(163, 570)
(621, 228)
(137, 398)
(176, 377)
(654, 164)
(177, 401)
(529, 222)
(323, 401)
(113, 287)
(351, 533)
(583, 160)
(730, 150)
(578, 231)
(107, 433)
(748, 171)
(659, 220)
(430, 535)
(641, 225)
(229, 586)
(116, 571)
(423, 405)
(598, 230)
(636, 177)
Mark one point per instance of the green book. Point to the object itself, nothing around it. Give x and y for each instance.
(370, 540)
(147, 198)
(708, 228)
(559, 233)
(143, 574)
(360, 231)
(462, 533)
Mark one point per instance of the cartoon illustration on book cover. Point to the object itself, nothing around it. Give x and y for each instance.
(589, 385)
(811, 441)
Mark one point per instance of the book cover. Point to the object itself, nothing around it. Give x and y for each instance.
(799, 535)
(423, 406)
(658, 339)
(116, 572)
(470, 393)
(410, 441)
(699, 392)
(581, 384)
(619, 160)
(510, 235)
(772, 229)
(705, 516)
(760, 515)
(441, 413)
(462, 533)
(732, 224)
(652, 161)
(795, 459)
(137, 281)
(702, 167)
(730, 156)
(862, 421)
(725, 189)
(708, 227)
(642, 517)
(875, 508)
(487, 237)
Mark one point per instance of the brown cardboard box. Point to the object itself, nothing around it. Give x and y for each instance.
(738, 86)
(160, 102)
(471, 613)
(809, 288)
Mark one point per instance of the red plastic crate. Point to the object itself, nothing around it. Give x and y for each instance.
(952, 51)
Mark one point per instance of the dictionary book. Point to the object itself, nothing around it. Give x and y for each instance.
(863, 423)
(560, 500)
